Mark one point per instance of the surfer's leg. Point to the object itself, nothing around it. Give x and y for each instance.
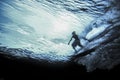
(74, 45)
(79, 44)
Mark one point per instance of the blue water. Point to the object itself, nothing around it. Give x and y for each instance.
(42, 26)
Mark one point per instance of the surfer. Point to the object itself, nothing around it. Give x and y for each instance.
(76, 41)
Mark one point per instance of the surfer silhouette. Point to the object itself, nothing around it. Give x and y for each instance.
(76, 41)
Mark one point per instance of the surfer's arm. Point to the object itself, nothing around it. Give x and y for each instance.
(70, 41)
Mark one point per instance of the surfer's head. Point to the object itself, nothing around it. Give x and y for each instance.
(73, 33)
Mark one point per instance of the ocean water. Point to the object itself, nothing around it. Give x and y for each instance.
(43, 26)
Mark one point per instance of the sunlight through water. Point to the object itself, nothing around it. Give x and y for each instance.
(39, 27)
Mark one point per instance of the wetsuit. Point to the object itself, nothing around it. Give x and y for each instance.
(76, 41)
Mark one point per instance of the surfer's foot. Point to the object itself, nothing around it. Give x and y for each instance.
(75, 51)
